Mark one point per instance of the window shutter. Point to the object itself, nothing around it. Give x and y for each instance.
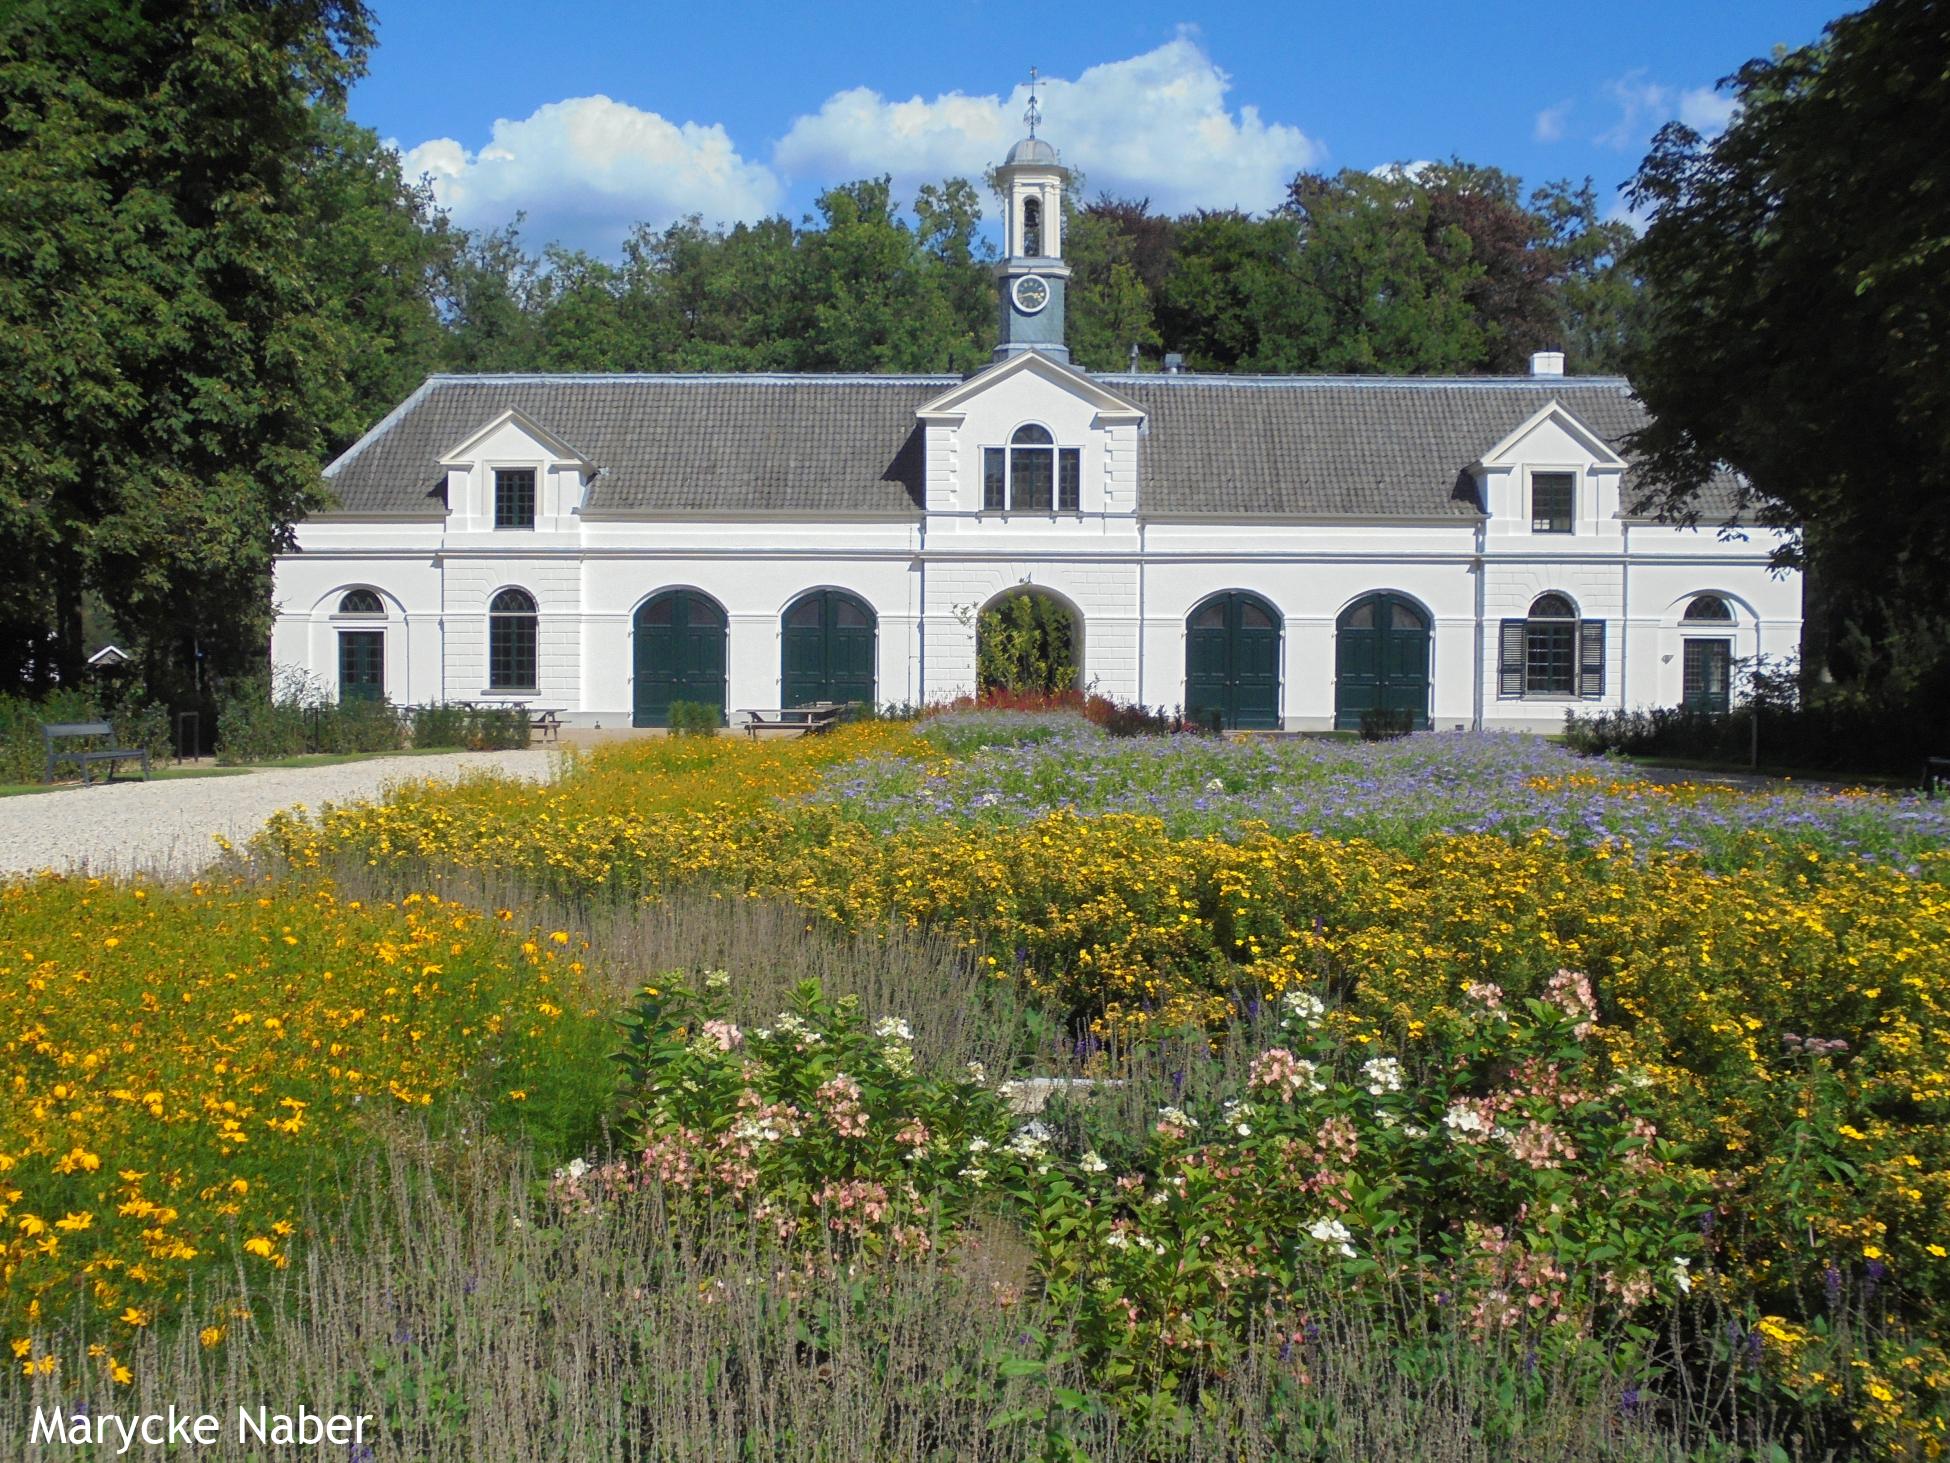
(1591, 659)
(1510, 662)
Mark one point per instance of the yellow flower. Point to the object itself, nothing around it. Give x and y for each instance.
(210, 1336)
(259, 1246)
(1872, 1252)
(75, 1221)
(135, 1317)
(120, 1373)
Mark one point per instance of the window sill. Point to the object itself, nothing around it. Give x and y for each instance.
(512, 693)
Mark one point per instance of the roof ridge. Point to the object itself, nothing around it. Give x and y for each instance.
(1387, 383)
(687, 378)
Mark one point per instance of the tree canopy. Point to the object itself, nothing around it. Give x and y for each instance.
(1798, 271)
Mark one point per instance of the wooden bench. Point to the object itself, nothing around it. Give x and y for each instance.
(71, 731)
(545, 722)
(808, 720)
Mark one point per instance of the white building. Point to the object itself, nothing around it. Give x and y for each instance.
(1280, 551)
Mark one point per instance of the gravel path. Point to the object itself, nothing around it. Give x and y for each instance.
(166, 827)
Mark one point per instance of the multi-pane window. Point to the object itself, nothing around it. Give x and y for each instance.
(1708, 675)
(1553, 498)
(1708, 607)
(1032, 474)
(1550, 647)
(511, 641)
(1552, 652)
(514, 497)
(361, 602)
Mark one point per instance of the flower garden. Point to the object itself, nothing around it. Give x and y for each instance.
(1633, 1094)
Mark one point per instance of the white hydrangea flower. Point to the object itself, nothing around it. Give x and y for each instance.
(892, 1027)
(1682, 1275)
(1333, 1232)
(1462, 1118)
(978, 1145)
(1302, 1006)
(1091, 1163)
(1176, 1116)
(1382, 1075)
(717, 980)
(978, 1074)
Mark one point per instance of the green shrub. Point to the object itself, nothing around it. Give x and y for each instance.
(295, 712)
(23, 749)
(1385, 723)
(694, 719)
(464, 725)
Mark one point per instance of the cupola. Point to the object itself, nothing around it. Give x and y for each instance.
(1031, 272)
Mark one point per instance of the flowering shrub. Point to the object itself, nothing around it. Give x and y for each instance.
(1517, 1185)
(817, 1124)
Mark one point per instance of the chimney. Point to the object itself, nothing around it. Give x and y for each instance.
(1547, 363)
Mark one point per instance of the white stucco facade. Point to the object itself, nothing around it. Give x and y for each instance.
(745, 495)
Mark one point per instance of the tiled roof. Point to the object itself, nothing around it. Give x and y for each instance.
(1292, 446)
(669, 444)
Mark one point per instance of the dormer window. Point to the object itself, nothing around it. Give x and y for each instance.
(1032, 475)
(1032, 228)
(514, 497)
(1553, 502)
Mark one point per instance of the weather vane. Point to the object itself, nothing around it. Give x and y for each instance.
(1032, 114)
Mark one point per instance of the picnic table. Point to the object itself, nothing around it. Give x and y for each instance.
(808, 720)
(545, 721)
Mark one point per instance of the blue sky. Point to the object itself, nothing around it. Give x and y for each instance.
(592, 116)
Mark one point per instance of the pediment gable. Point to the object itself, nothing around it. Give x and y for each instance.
(1112, 409)
(463, 453)
(1553, 412)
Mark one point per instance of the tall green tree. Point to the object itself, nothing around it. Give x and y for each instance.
(183, 352)
(1797, 275)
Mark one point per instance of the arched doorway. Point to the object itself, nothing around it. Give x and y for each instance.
(1381, 660)
(679, 650)
(827, 649)
(1232, 661)
(1029, 642)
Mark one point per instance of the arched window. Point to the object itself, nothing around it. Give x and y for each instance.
(1552, 651)
(361, 602)
(1032, 228)
(1709, 607)
(1033, 475)
(511, 641)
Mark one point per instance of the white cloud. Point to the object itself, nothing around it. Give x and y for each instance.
(1550, 122)
(1706, 109)
(1156, 125)
(586, 168)
(1644, 106)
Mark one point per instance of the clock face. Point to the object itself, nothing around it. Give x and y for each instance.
(1031, 294)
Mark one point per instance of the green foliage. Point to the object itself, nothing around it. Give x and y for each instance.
(23, 749)
(1385, 723)
(1026, 644)
(473, 728)
(202, 268)
(1834, 408)
(694, 719)
(818, 1124)
(294, 713)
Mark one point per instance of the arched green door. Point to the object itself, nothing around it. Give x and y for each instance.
(1381, 660)
(679, 653)
(1232, 662)
(827, 649)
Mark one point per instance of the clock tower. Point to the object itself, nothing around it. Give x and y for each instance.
(1031, 272)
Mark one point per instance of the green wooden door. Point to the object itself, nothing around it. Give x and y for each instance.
(362, 665)
(1381, 661)
(1708, 669)
(679, 655)
(827, 646)
(1232, 662)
